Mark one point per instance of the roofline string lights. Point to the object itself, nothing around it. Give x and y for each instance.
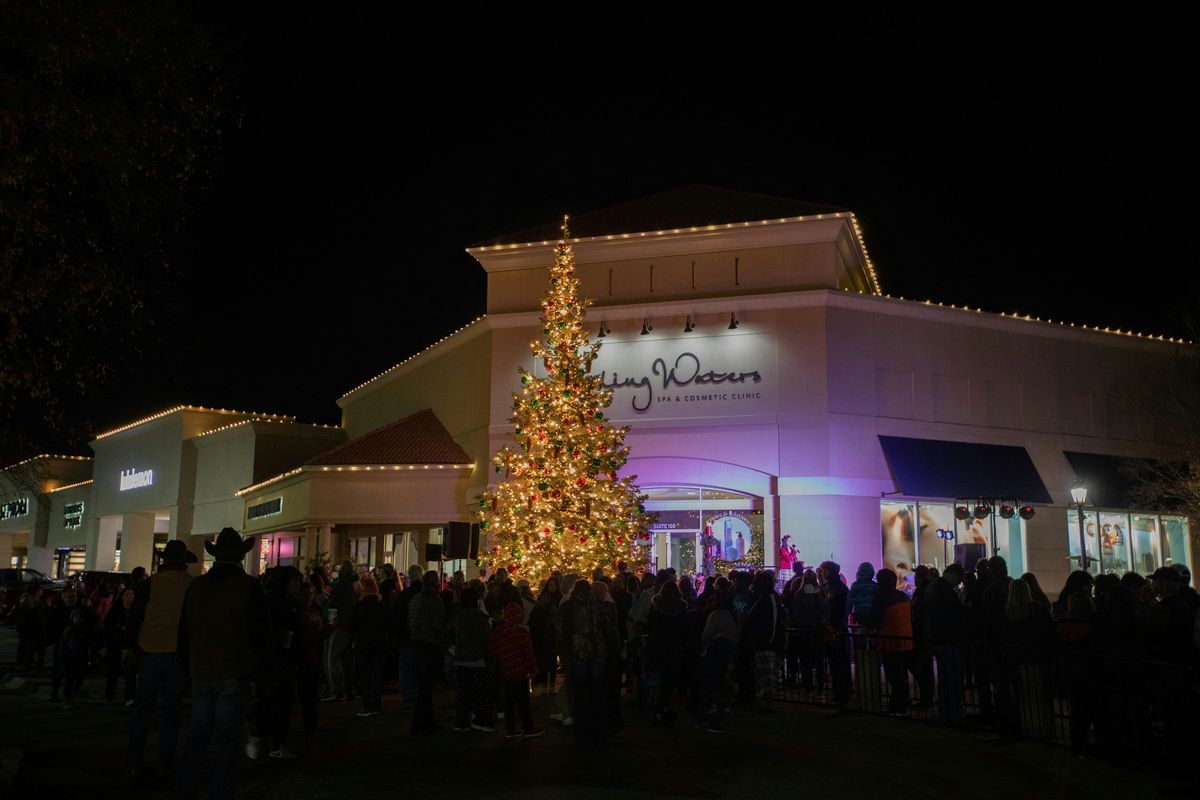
(42, 456)
(854, 225)
(266, 419)
(347, 468)
(199, 409)
(395, 367)
(68, 486)
(1031, 318)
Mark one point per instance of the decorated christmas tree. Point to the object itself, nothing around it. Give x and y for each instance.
(561, 505)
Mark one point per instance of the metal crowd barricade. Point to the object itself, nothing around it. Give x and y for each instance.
(1117, 707)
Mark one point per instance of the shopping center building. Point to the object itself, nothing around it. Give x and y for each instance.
(771, 387)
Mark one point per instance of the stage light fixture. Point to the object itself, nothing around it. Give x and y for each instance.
(604, 331)
(688, 327)
(646, 327)
(733, 321)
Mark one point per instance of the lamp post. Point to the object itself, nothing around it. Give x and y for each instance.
(1079, 500)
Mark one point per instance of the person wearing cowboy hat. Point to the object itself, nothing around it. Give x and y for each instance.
(154, 624)
(224, 629)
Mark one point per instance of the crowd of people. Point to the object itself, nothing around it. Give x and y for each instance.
(605, 645)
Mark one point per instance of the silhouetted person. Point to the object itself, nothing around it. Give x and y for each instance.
(157, 605)
(427, 627)
(223, 632)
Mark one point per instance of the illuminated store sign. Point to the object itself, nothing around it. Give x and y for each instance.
(15, 508)
(683, 373)
(729, 376)
(72, 515)
(135, 479)
(268, 508)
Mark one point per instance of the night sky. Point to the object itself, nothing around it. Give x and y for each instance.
(1016, 165)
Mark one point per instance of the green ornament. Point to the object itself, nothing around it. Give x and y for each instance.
(483, 526)
(483, 505)
(641, 509)
(562, 325)
(533, 403)
(546, 331)
(543, 486)
(568, 393)
(595, 463)
(497, 469)
(524, 380)
(599, 415)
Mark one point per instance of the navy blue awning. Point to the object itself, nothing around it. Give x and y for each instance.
(1112, 480)
(935, 468)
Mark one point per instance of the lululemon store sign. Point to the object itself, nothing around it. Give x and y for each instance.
(136, 478)
(692, 377)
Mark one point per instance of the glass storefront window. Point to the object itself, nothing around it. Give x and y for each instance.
(1010, 539)
(1123, 542)
(1145, 542)
(700, 529)
(898, 525)
(941, 539)
(932, 549)
(1089, 528)
(1114, 543)
(1175, 541)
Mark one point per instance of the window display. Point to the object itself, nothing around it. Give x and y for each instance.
(1175, 541)
(1144, 533)
(704, 530)
(941, 539)
(1120, 542)
(1114, 543)
(897, 521)
(1089, 530)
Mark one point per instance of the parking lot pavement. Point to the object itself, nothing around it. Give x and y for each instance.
(796, 749)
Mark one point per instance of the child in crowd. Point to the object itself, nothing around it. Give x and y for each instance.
(511, 649)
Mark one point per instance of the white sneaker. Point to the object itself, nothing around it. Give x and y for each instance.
(500, 715)
(283, 753)
(568, 722)
(485, 728)
(254, 747)
(557, 716)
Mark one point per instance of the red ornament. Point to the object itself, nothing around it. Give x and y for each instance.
(545, 531)
(603, 448)
(581, 482)
(571, 528)
(620, 540)
(583, 540)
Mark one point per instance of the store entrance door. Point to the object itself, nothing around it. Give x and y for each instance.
(678, 550)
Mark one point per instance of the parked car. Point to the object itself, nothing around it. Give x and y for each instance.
(13, 583)
(89, 580)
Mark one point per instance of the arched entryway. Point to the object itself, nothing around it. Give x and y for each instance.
(701, 529)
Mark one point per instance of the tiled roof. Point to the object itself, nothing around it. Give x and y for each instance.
(417, 439)
(689, 206)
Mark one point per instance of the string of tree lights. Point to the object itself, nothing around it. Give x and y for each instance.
(561, 505)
